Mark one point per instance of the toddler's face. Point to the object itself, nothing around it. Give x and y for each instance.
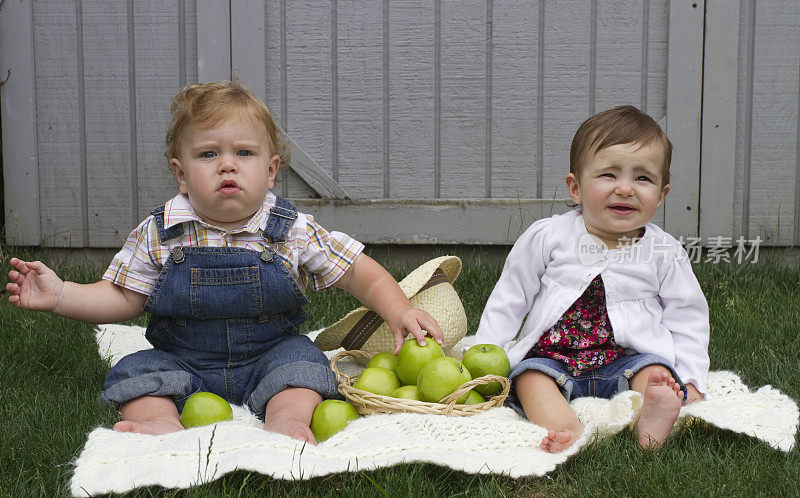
(226, 170)
(619, 190)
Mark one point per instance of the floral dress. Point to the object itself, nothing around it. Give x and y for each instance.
(582, 338)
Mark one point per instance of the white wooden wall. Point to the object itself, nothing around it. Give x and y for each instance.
(767, 179)
(445, 102)
(751, 138)
(95, 104)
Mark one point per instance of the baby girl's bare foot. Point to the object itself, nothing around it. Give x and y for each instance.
(557, 441)
(291, 427)
(156, 426)
(662, 403)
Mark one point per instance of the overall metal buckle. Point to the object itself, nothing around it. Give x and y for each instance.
(267, 255)
(177, 255)
(273, 211)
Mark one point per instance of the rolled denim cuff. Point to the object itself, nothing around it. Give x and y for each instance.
(174, 384)
(307, 374)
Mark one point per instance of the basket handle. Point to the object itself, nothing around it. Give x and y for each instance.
(467, 386)
(341, 377)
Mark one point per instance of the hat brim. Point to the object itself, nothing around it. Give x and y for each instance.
(441, 302)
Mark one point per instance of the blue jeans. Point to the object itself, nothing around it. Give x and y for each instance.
(603, 382)
(293, 361)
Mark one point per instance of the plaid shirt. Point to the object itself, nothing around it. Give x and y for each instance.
(309, 250)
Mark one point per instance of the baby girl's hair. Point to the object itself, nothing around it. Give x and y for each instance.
(207, 104)
(624, 124)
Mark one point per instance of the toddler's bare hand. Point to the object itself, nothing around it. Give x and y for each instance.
(414, 321)
(33, 286)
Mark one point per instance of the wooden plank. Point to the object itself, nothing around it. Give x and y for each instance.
(431, 221)
(514, 99)
(249, 62)
(20, 157)
(463, 99)
(566, 87)
(273, 66)
(718, 159)
(110, 147)
(309, 92)
(276, 90)
(213, 40)
(158, 78)
(655, 96)
(411, 99)
(248, 45)
(190, 40)
(618, 54)
(316, 178)
(774, 122)
(360, 97)
(59, 122)
(744, 114)
(683, 116)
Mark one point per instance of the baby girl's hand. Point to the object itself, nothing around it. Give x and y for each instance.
(414, 321)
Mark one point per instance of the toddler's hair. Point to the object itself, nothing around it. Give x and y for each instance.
(623, 124)
(207, 104)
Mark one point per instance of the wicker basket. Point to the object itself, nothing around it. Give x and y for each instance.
(368, 403)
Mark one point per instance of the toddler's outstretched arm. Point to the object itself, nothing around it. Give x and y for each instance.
(371, 284)
(34, 286)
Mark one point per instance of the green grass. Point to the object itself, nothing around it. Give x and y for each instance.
(51, 375)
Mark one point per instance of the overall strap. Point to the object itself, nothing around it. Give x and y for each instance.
(281, 218)
(165, 234)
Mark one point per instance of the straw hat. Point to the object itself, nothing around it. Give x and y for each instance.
(429, 288)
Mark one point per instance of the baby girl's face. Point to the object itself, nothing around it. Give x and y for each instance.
(226, 170)
(619, 189)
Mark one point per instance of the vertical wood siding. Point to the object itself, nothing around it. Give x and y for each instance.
(105, 75)
(467, 99)
(766, 195)
(475, 99)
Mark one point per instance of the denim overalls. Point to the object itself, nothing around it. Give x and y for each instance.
(224, 320)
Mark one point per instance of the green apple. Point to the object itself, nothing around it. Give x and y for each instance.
(474, 398)
(412, 357)
(377, 380)
(440, 377)
(331, 416)
(384, 359)
(487, 359)
(406, 392)
(205, 408)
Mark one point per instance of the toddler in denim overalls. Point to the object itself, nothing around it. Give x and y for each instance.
(221, 269)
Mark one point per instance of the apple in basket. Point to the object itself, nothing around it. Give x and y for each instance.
(331, 416)
(473, 398)
(412, 357)
(406, 392)
(205, 408)
(440, 377)
(384, 359)
(487, 359)
(377, 380)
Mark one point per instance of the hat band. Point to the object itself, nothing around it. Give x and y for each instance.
(371, 321)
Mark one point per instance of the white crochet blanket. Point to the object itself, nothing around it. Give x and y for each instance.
(496, 441)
